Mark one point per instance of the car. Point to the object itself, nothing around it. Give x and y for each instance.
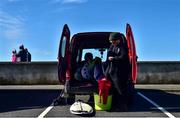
(71, 53)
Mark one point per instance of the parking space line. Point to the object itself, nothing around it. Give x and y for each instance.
(156, 105)
(46, 111)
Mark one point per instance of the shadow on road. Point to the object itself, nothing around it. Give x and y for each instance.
(15, 100)
(168, 100)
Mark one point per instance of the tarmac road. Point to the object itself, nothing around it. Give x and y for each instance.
(33, 101)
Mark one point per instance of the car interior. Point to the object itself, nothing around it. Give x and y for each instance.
(98, 45)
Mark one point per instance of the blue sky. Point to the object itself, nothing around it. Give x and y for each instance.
(38, 24)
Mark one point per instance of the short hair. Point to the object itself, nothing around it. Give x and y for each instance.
(88, 56)
(14, 51)
(21, 47)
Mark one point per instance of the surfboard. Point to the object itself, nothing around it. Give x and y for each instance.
(81, 107)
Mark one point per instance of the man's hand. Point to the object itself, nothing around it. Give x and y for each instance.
(110, 58)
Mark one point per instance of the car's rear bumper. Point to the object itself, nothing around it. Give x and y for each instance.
(80, 88)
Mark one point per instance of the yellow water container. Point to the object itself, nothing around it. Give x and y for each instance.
(99, 105)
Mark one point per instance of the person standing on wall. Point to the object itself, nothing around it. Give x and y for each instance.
(28, 55)
(14, 56)
(22, 54)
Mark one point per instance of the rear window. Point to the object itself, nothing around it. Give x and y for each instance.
(101, 53)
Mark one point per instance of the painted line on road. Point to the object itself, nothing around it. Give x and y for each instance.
(156, 105)
(46, 111)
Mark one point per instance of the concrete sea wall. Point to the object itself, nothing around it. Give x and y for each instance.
(149, 72)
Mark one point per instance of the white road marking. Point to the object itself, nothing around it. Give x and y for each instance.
(156, 105)
(46, 111)
(171, 108)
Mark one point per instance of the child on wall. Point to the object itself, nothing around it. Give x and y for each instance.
(14, 56)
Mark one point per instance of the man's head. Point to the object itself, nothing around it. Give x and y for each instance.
(88, 57)
(21, 47)
(115, 38)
